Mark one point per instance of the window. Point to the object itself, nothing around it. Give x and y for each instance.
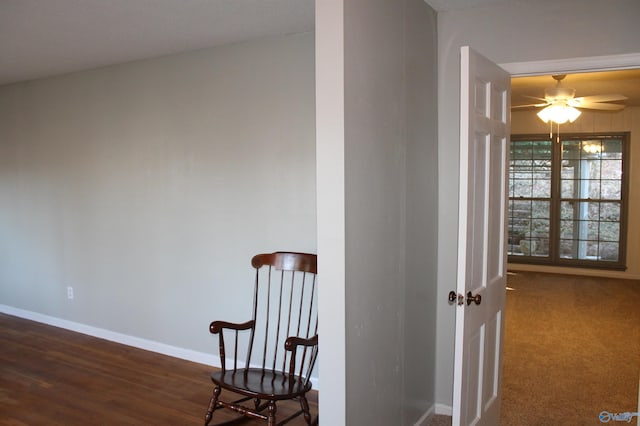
(567, 200)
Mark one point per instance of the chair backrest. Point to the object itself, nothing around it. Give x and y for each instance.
(285, 304)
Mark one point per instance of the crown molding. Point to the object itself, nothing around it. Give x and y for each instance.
(572, 65)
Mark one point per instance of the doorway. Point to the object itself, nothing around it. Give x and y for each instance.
(554, 304)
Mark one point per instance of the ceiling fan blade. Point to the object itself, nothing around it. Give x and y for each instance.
(529, 106)
(599, 98)
(535, 97)
(601, 106)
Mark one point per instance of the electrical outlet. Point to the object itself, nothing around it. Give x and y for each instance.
(69, 292)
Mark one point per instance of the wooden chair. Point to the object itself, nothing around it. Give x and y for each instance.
(283, 333)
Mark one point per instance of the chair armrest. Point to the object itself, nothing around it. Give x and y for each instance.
(217, 326)
(306, 361)
(293, 342)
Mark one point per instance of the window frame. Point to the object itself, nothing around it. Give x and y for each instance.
(554, 257)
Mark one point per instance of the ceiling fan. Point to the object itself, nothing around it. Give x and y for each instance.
(560, 97)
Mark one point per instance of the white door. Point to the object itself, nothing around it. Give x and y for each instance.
(482, 260)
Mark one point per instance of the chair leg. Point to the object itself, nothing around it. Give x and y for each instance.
(212, 405)
(271, 418)
(304, 404)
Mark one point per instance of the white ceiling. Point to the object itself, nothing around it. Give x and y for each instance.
(40, 38)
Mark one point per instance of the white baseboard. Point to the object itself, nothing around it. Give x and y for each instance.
(445, 410)
(600, 273)
(424, 419)
(136, 342)
(439, 409)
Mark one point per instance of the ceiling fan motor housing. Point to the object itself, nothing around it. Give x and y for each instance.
(555, 94)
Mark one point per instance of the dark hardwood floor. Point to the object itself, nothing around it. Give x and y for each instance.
(52, 376)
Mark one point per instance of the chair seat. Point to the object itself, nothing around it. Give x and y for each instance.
(260, 384)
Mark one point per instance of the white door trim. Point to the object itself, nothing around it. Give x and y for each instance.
(582, 64)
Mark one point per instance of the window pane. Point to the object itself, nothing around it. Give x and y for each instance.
(590, 149)
(611, 169)
(529, 178)
(540, 149)
(520, 208)
(521, 149)
(568, 188)
(610, 211)
(583, 229)
(609, 231)
(567, 249)
(528, 227)
(566, 229)
(540, 209)
(592, 188)
(566, 210)
(590, 250)
(540, 237)
(570, 150)
(590, 230)
(609, 252)
(612, 148)
(611, 189)
(521, 187)
(541, 188)
(519, 214)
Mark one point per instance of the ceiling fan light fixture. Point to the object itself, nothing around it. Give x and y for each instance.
(559, 114)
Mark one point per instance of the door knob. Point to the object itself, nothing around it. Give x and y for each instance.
(455, 298)
(471, 298)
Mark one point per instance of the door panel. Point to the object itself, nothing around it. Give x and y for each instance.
(484, 137)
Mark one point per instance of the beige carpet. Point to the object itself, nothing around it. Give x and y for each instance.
(572, 349)
(439, 420)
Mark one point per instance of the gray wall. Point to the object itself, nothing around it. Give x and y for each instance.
(148, 186)
(421, 210)
(507, 32)
(390, 215)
